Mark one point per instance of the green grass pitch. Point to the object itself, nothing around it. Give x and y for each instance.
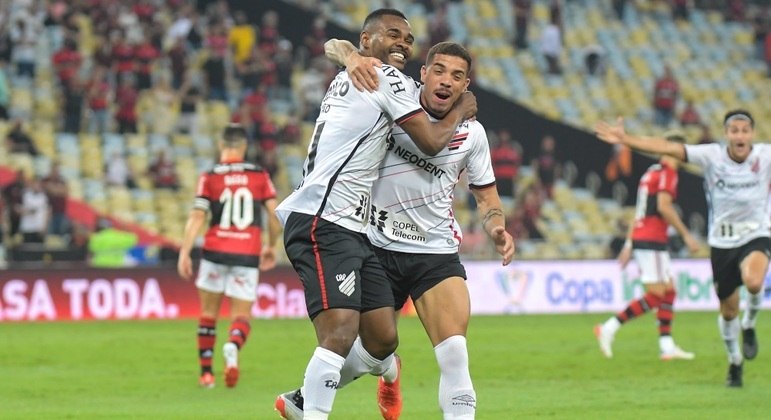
(523, 367)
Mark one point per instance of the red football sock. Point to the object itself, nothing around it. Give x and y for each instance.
(239, 331)
(207, 336)
(638, 307)
(666, 312)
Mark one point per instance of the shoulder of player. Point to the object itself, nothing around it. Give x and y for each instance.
(476, 131)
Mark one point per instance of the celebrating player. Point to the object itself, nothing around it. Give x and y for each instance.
(737, 177)
(233, 192)
(346, 290)
(647, 240)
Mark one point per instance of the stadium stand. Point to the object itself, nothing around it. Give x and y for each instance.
(712, 58)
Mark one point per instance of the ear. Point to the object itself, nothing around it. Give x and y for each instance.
(423, 73)
(364, 40)
(468, 81)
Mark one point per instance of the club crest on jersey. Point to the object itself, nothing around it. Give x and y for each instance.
(347, 283)
(377, 218)
(361, 211)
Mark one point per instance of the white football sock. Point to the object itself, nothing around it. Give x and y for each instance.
(457, 398)
(729, 331)
(666, 344)
(611, 326)
(754, 302)
(360, 362)
(322, 376)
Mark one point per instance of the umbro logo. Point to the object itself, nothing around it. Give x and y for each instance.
(347, 283)
(465, 399)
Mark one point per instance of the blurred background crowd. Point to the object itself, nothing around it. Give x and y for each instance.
(109, 108)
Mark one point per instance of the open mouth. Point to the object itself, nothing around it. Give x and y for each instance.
(442, 95)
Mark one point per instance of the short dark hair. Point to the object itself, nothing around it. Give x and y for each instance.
(234, 135)
(738, 114)
(378, 14)
(449, 48)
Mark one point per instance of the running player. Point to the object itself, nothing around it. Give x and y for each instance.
(736, 181)
(234, 192)
(647, 240)
(346, 290)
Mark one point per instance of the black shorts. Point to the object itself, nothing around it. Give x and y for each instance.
(337, 267)
(413, 274)
(726, 262)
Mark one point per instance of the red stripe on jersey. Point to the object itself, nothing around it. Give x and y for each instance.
(649, 225)
(319, 266)
(408, 116)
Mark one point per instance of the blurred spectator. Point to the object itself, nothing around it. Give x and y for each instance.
(474, 239)
(52, 22)
(594, 60)
(122, 57)
(67, 62)
(242, 38)
(18, 141)
(313, 87)
(127, 97)
(283, 69)
(619, 167)
(269, 35)
(521, 20)
(250, 71)
(187, 123)
(117, 171)
(145, 55)
(315, 39)
(109, 246)
(178, 61)
(291, 133)
(760, 28)
(5, 91)
(551, 46)
(438, 26)
(768, 53)
(24, 38)
(161, 111)
(690, 116)
(506, 159)
(6, 45)
(706, 135)
(163, 172)
(72, 105)
(665, 93)
(546, 167)
(530, 212)
(34, 212)
(98, 97)
(214, 68)
(681, 9)
(57, 192)
(12, 197)
(735, 10)
(619, 7)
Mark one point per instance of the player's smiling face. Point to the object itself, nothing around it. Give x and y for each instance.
(739, 134)
(390, 41)
(445, 79)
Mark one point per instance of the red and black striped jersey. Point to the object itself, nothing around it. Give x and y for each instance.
(233, 192)
(649, 226)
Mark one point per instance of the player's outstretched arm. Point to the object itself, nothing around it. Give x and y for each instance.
(615, 134)
(361, 69)
(268, 254)
(192, 227)
(494, 222)
(430, 137)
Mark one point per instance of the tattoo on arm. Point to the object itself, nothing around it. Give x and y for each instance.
(490, 214)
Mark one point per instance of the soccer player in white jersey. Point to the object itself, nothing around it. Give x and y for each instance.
(737, 174)
(414, 231)
(325, 218)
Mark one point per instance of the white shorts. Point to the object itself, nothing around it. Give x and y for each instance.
(654, 265)
(234, 281)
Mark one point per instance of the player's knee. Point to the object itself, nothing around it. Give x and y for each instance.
(382, 344)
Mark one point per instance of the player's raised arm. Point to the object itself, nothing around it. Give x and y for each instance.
(361, 69)
(615, 134)
(430, 137)
(493, 221)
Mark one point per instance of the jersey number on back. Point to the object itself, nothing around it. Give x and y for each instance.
(237, 208)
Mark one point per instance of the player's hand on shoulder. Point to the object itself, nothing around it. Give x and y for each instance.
(467, 104)
(267, 258)
(362, 72)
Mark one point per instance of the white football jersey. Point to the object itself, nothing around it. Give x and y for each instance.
(348, 146)
(737, 193)
(412, 198)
